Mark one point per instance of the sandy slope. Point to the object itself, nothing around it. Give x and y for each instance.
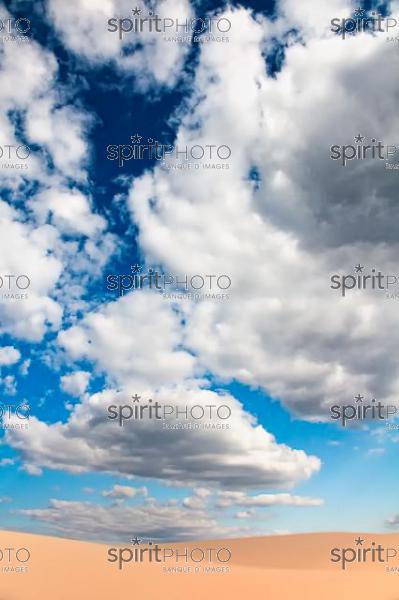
(292, 567)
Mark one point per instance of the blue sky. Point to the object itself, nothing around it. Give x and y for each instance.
(280, 351)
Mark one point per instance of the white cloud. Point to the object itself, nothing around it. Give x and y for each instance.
(9, 356)
(144, 54)
(227, 499)
(9, 385)
(30, 317)
(70, 212)
(246, 455)
(75, 383)
(284, 329)
(124, 491)
(40, 113)
(198, 500)
(106, 338)
(24, 367)
(61, 131)
(31, 469)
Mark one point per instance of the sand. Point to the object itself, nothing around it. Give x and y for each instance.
(289, 567)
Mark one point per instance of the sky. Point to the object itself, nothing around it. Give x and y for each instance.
(187, 222)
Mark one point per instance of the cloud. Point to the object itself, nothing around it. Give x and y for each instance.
(10, 385)
(245, 455)
(146, 55)
(124, 491)
(376, 452)
(392, 522)
(9, 356)
(26, 318)
(198, 500)
(227, 499)
(108, 523)
(6, 462)
(24, 367)
(283, 329)
(151, 354)
(31, 469)
(75, 384)
(40, 117)
(70, 212)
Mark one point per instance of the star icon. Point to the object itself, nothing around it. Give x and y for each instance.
(150, 140)
(136, 139)
(359, 268)
(359, 398)
(359, 138)
(136, 11)
(136, 268)
(136, 398)
(359, 12)
(135, 541)
(359, 541)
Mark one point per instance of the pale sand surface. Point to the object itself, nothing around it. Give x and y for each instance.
(289, 567)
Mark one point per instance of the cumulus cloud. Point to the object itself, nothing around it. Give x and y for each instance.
(245, 455)
(9, 356)
(279, 221)
(124, 491)
(75, 384)
(124, 342)
(198, 500)
(24, 367)
(284, 217)
(9, 385)
(69, 210)
(147, 55)
(31, 469)
(155, 521)
(52, 133)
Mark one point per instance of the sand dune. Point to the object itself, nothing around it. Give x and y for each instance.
(291, 567)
